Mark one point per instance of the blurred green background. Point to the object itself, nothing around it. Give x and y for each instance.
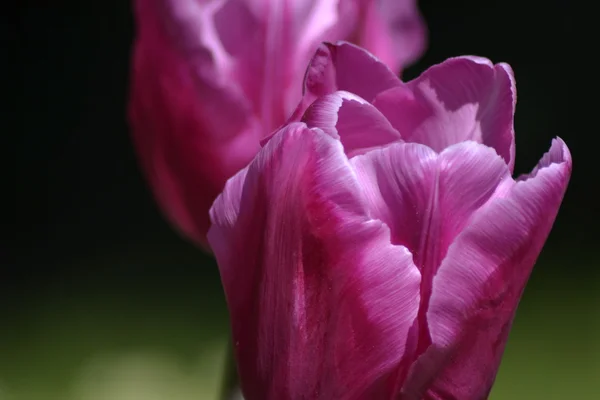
(101, 300)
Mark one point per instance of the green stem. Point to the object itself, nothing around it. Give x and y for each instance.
(230, 387)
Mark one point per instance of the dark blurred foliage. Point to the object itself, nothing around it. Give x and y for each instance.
(85, 220)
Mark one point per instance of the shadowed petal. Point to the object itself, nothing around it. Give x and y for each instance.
(320, 300)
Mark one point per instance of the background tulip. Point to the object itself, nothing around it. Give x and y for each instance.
(378, 248)
(211, 78)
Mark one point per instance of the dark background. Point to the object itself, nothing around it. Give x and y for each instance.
(100, 299)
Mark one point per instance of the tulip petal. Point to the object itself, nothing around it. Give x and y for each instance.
(320, 300)
(344, 66)
(427, 198)
(189, 28)
(479, 284)
(463, 98)
(183, 119)
(273, 42)
(176, 58)
(394, 31)
(358, 124)
(318, 19)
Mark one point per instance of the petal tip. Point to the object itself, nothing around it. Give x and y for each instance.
(559, 145)
(558, 153)
(557, 157)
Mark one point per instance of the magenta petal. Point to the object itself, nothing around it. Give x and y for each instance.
(394, 31)
(191, 130)
(399, 183)
(425, 198)
(322, 20)
(320, 300)
(479, 284)
(358, 124)
(463, 98)
(344, 66)
(176, 62)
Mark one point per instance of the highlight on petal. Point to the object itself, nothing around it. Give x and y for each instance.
(463, 98)
(308, 275)
(344, 66)
(479, 284)
(358, 124)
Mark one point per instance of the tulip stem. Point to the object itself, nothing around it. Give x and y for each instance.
(230, 387)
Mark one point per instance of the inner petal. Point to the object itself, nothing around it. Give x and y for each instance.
(426, 198)
(464, 98)
(358, 124)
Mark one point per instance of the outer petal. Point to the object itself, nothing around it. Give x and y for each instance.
(394, 31)
(479, 284)
(463, 98)
(344, 66)
(320, 300)
(358, 124)
(191, 130)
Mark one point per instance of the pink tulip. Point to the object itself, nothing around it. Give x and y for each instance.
(378, 248)
(211, 78)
